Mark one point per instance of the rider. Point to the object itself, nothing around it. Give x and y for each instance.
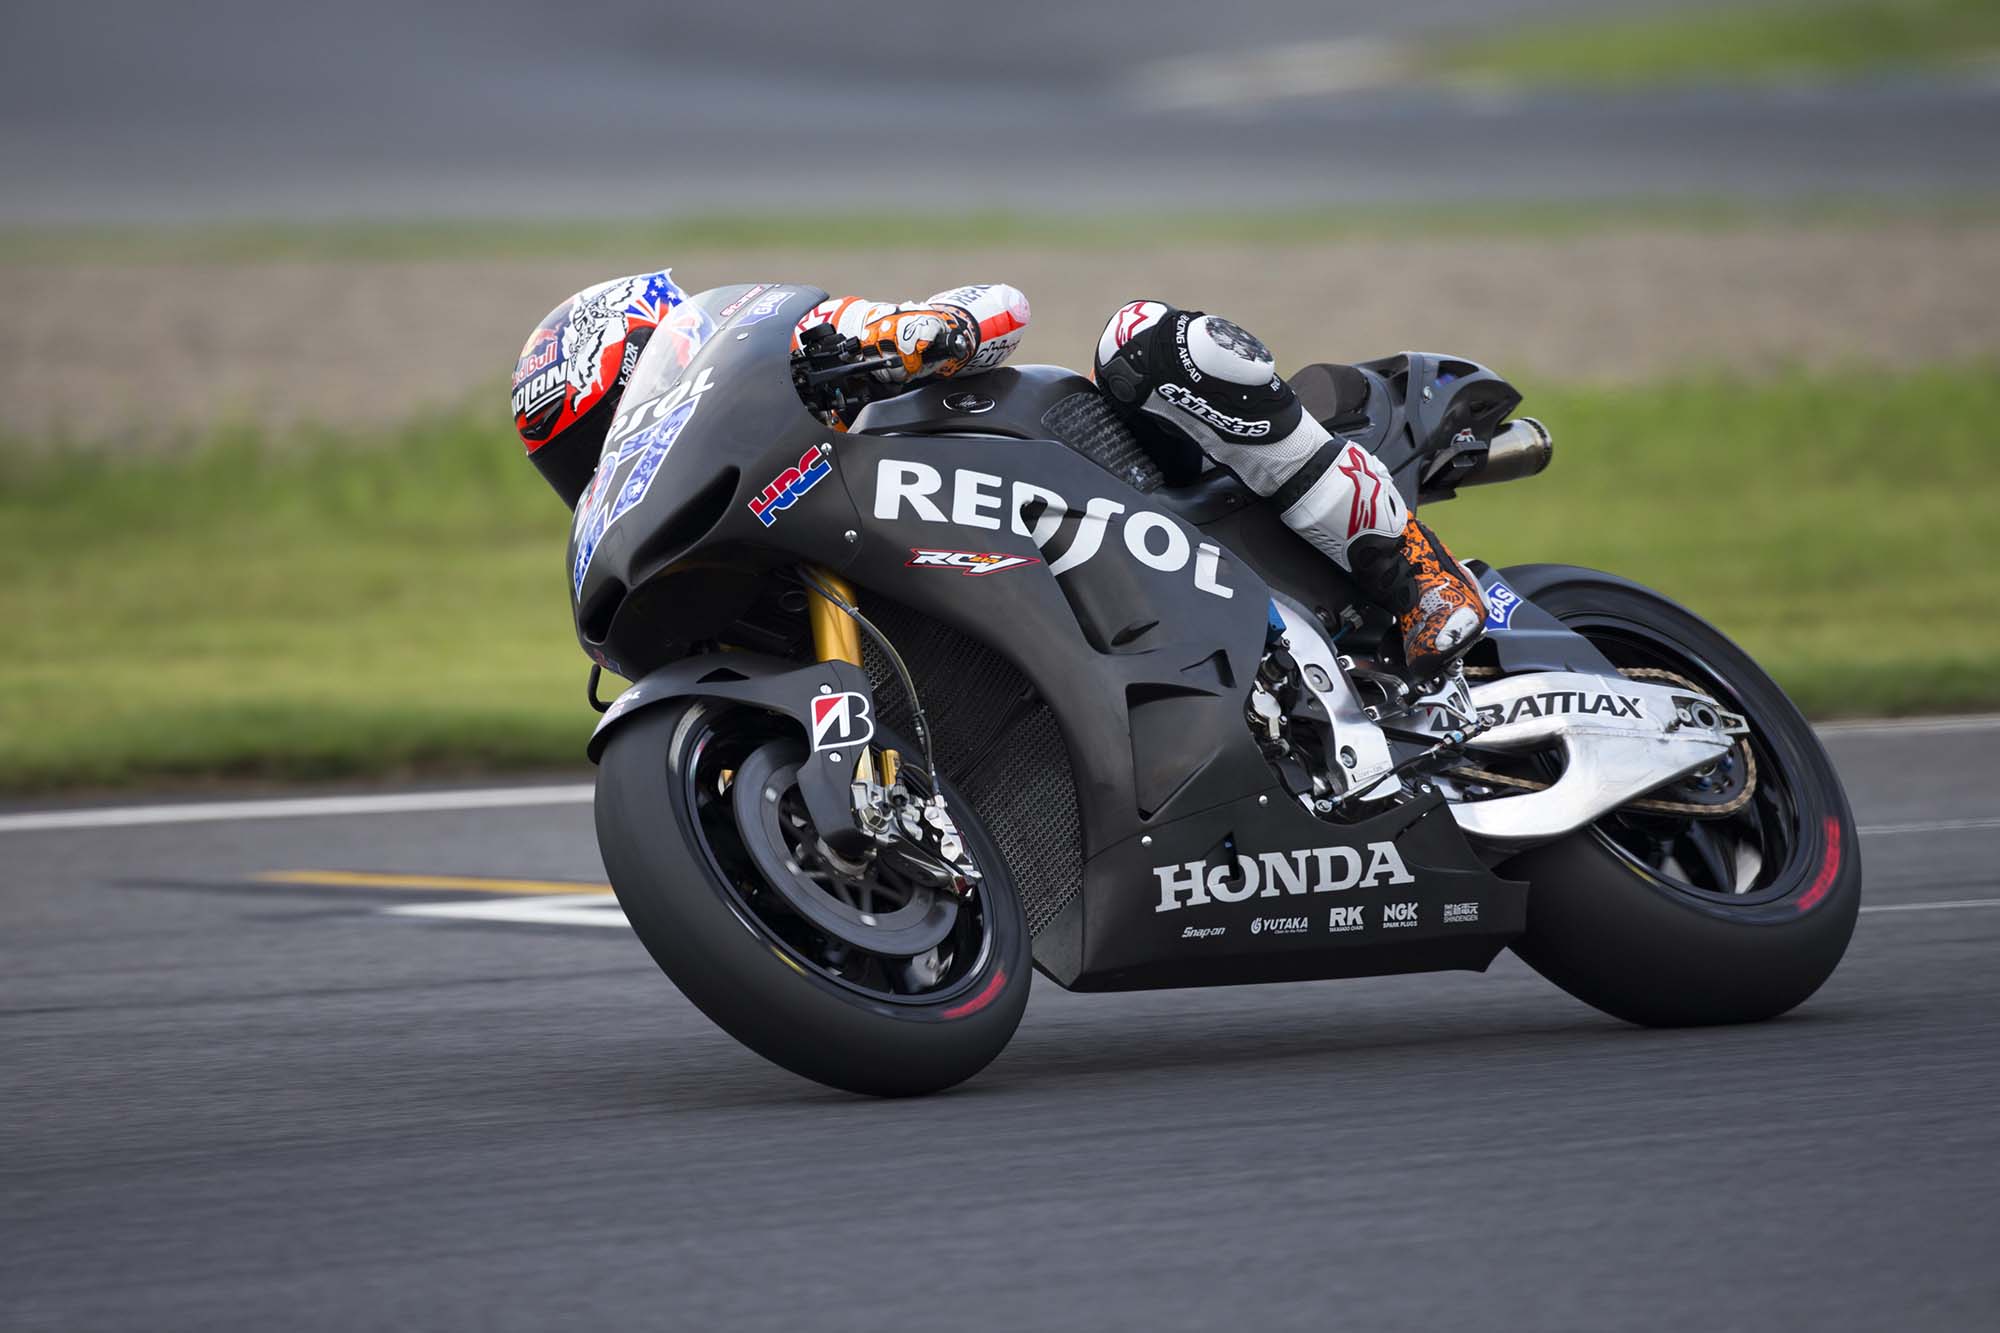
(1180, 377)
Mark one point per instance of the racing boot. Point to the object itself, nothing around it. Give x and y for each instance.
(1435, 600)
(1185, 379)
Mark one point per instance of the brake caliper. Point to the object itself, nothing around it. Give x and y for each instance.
(916, 834)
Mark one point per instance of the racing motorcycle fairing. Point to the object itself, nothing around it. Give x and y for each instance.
(1139, 617)
(1258, 891)
(711, 454)
(1426, 416)
(831, 702)
(1011, 401)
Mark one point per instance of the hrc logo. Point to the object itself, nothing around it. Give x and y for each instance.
(784, 491)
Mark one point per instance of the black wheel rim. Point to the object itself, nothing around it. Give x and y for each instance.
(1749, 856)
(813, 942)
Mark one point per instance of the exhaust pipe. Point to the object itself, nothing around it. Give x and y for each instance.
(1521, 448)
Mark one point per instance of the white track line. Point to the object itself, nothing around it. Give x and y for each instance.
(1950, 906)
(1931, 826)
(1910, 726)
(565, 910)
(501, 798)
(422, 802)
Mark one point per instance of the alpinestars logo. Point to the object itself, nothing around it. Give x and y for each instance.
(1367, 490)
(841, 719)
(1192, 403)
(1309, 870)
(972, 564)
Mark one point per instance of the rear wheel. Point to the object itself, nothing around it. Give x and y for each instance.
(864, 974)
(1730, 908)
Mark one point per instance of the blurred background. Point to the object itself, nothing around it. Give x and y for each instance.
(266, 269)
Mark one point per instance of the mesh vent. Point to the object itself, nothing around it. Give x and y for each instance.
(996, 741)
(1087, 423)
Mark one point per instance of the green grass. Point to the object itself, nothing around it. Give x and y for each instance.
(1745, 43)
(634, 241)
(1840, 527)
(340, 607)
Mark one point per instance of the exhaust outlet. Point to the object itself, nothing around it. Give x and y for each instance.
(1521, 448)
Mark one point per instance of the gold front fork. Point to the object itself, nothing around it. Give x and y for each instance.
(836, 638)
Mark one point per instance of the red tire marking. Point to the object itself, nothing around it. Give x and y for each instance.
(1828, 870)
(981, 1000)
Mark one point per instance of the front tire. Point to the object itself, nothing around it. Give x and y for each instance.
(726, 939)
(1655, 924)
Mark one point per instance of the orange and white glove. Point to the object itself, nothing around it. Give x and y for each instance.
(964, 329)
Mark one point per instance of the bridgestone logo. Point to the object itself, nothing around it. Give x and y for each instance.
(1272, 874)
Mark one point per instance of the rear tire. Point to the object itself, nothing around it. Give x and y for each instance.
(1651, 948)
(692, 914)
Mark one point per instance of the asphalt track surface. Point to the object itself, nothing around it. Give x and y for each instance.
(233, 1103)
(131, 110)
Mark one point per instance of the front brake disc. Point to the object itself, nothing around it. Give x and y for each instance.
(779, 836)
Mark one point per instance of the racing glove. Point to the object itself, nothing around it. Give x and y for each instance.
(963, 330)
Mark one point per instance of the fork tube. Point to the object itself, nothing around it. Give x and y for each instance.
(836, 638)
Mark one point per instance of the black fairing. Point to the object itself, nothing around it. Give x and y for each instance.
(1010, 401)
(1137, 618)
(1427, 417)
(747, 428)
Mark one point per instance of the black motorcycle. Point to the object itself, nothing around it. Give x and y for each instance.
(934, 686)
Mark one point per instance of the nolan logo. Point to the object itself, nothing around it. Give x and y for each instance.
(1310, 870)
(1342, 919)
(1559, 702)
(1399, 914)
(840, 719)
(1066, 536)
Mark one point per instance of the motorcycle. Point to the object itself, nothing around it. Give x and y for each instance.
(934, 690)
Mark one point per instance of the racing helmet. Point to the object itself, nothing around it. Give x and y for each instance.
(574, 368)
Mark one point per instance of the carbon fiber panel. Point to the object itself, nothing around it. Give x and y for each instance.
(996, 741)
(1087, 423)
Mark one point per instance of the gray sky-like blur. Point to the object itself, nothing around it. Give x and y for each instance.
(126, 110)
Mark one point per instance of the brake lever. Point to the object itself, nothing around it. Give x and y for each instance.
(818, 378)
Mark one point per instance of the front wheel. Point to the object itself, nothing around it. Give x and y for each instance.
(1730, 915)
(857, 974)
